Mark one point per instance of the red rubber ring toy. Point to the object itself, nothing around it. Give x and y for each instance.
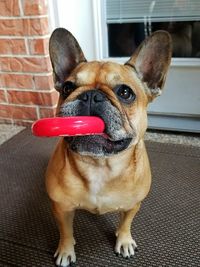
(68, 126)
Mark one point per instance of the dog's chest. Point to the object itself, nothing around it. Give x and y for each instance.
(102, 197)
(97, 183)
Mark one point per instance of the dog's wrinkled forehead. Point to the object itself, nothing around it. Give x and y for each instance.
(86, 74)
(97, 73)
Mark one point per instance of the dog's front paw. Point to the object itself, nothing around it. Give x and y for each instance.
(125, 245)
(65, 255)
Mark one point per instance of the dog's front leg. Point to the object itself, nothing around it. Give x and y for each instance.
(125, 244)
(65, 252)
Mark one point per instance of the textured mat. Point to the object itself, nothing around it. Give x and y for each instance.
(167, 228)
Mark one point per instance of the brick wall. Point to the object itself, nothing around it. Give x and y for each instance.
(26, 86)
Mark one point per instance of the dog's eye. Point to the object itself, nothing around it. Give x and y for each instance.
(67, 88)
(125, 93)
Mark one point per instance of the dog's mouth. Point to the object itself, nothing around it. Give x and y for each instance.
(98, 145)
(104, 144)
(114, 139)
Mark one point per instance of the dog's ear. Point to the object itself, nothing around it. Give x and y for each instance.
(65, 54)
(151, 61)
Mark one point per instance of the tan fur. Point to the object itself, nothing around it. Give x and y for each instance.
(118, 183)
(100, 185)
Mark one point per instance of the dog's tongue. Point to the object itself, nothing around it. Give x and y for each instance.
(69, 126)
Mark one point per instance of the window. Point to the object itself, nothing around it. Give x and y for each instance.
(129, 22)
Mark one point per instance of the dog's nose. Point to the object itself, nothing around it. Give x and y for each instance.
(92, 96)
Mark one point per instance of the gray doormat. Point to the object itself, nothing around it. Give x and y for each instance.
(167, 228)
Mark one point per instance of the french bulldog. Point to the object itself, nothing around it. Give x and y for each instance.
(109, 172)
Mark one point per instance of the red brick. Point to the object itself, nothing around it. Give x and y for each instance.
(2, 96)
(43, 82)
(47, 112)
(12, 46)
(35, 7)
(32, 98)
(39, 46)
(9, 8)
(24, 27)
(26, 64)
(37, 26)
(54, 98)
(16, 112)
(11, 27)
(16, 81)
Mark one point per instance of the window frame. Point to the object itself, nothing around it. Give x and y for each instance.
(101, 39)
